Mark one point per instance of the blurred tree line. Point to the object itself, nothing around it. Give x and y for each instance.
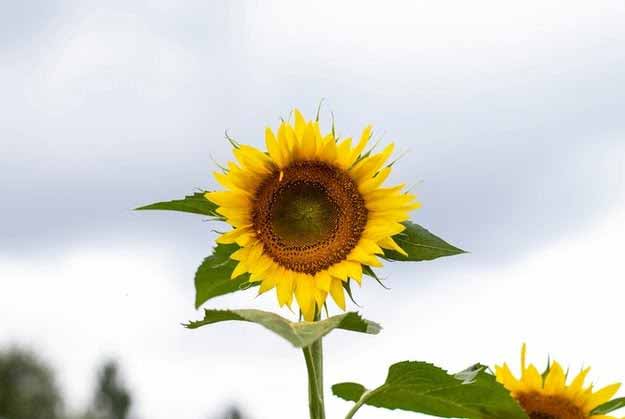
(28, 390)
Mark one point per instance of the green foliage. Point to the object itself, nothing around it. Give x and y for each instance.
(608, 407)
(195, 204)
(27, 387)
(212, 278)
(299, 334)
(424, 388)
(420, 245)
(112, 399)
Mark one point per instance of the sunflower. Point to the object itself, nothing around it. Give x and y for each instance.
(310, 212)
(547, 396)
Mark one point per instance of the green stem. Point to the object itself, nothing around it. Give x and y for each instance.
(314, 364)
(358, 404)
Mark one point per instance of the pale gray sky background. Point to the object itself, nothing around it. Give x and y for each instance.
(512, 117)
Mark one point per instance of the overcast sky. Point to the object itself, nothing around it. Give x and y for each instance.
(511, 117)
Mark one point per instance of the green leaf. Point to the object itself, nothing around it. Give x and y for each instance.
(420, 245)
(424, 388)
(212, 278)
(349, 391)
(300, 334)
(607, 407)
(195, 204)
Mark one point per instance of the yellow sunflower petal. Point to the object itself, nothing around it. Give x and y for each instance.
(367, 167)
(233, 235)
(320, 298)
(255, 254)
(260, 268)
(355, 271)
(269, 280)
(373, 183)
(245, 239)
(577, 384)
(237, 217)
(554, 382)
(304, 293)
(284, 288)
(328, 151)
(357, 151)
(505, 377)
(309, 143)
(370, 246)
(532, 380)
(267, 284)
(338, 295)
(322, 280)
(253, 159)
(601, 396)
(300, 123)
(236, 179)
(359, 255)
(231, 199)
(240, 269)
(285, 142)
(389, 243)
(381, 194)
(241, 254)
(347, 269)
(391, 202)
(343, 153)
(273, 147)
(377, 231)
(339, 270)
(319, 140)
(397, 216)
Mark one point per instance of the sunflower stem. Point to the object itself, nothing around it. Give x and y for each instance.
(314, 364)
(358, 404)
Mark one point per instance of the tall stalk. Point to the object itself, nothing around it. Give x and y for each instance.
(314, 364)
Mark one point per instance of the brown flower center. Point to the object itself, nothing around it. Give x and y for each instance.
(309, 216)
(542, 406)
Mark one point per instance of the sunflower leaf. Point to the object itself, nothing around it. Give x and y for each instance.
(299, 334)
(195, 204)
(608, 407)
(420, 245)
(424, 388)
(212, 277)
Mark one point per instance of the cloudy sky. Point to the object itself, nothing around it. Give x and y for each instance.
(510, 117)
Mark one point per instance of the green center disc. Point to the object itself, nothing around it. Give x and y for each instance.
(303, 214)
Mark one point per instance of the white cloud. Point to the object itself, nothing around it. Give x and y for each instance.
(124, 98)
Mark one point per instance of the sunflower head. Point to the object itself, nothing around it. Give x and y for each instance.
(309, 212)
(548, 396)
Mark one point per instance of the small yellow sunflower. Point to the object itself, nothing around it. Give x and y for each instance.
(309, 212)
(549, 397)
